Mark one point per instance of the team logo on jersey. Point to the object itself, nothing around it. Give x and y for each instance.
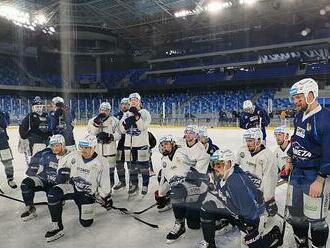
(309, 127)
(73, 161)
(164, 164)
(134, 132)
(300, 151)
(245, 117)
(82, 184)
(300, 132)
(242, 154)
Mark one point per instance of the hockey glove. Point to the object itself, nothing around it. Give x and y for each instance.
(98, 120)
(104, 137)
(135, 112)
(253, 239)
(284, 174)
(196, 178)
(58, 112)
(271, 207)
(162, 201)
(107, 202)
(129, 122)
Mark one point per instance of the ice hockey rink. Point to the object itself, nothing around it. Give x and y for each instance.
(110, 228)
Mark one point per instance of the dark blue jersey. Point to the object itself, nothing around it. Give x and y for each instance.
(259, 116)
(211, 148)
(4, 122)
(61, 122)
(311, 141)
(240, 196)
(47, 162)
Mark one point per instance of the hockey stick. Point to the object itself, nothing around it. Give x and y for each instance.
(18, 200)
(124, 211)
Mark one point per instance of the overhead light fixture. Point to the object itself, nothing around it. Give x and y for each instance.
(216, 6)
(305, 32)
(40, 19)
(248, 2)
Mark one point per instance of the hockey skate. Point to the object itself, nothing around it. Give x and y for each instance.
(12, 183)
(133, 190)
(29, 213)
(164, 208)
(55, 233)
(144, 190)
(204, 244)
(176, 233)
(119, 186)
(301, 242)
(223, 226)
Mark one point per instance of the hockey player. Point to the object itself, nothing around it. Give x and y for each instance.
(260, 163)
(47, 168)
(134, 125)
(254, 116)
(236, 199)
(6, 155)
(185, 184)
(106, 129)
(89, 179)
(206, 141)
(60, 121)
(34, 128)
(124, 106)
(310, 165)
(282, 136)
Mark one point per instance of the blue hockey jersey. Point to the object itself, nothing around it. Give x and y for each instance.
(240, 196)
(61, 122)
(47, 162)
(311, 141)
(4, 122)
(259, 115)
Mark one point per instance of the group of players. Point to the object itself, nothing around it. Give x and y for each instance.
(207, 187)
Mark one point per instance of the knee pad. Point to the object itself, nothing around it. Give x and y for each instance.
(27, 184)
(178, 194)
(300, 226)
(86, 223)
(319, 233)
(193, 219)
(206, 209)
(55, 195)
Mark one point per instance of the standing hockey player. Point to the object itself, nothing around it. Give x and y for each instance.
(184, 183)
(34, 128)
(254, 116)
(89, 179)
(282, 136)
(124, 106)
(6, 155)
(61, 122)
(235, 199)
(259, 162)
(55, 164)
(106, 129)
(134, 125)
(310, 158)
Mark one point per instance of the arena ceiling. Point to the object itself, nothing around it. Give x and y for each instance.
(149, 23)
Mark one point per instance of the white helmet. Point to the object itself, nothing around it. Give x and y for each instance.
(252, 133)
(192, 129)
(135, 95)
(57, 100)
(247, 104)
(223, 154)
(305, 86)
(57, 139)
(165, 138)
(125, 100)
(202, 132)
(281, 129)
(88, 141)
(105, 105)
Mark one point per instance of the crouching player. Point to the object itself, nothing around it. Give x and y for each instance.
(89, 179)
(235, 199)
(47, 168)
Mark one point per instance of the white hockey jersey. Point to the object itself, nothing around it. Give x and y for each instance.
(281, 156)
(137, 136)
(176, 166)
(263, 166)
(198, 155)
(92, 176)
(110, 126)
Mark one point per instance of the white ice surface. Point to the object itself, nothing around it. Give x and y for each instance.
(110, 229)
